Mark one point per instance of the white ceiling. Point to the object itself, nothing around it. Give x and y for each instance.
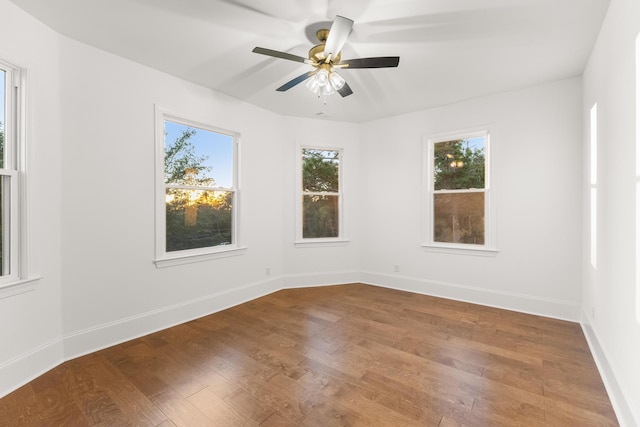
(450, 50)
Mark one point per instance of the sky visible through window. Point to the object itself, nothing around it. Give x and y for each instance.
(216, 147)
(476, 143)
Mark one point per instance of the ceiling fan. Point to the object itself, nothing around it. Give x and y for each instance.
(325, 58)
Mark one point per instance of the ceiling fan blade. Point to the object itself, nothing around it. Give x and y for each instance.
(376, 62)
(345, 90)
(338, 34)
(282, 55)
(291, 83)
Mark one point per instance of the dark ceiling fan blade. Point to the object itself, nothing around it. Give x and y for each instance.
(291, 83)
(282, 55)
(338, 34)
(345, 90)
(376, 62)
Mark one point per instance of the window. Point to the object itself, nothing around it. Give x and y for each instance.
(12, 261)
(197, 191)
(593, 186)
(458, 192)
(320, 195)
(638, 177)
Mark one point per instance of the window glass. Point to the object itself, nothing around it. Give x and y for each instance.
(3, 119)
(458, 191)
(320, 170)
(459, 218)
(320, 193)
(459, 164)
(199, 187)
(197, 156)
(4, 257)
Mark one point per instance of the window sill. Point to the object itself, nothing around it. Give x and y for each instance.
(19, 287)
(318, 243)
(198, 257)
(461, 250)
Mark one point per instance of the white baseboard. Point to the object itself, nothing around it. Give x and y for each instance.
(306, 280)
(547, 307)
(20, 370)
(102, 336)
(28, 366)
(98, 337)
(620, 405)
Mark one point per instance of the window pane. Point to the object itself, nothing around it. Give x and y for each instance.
(459, 218)
(320, 216)
(5, 186)
(198, 219)
(459, 164)
(195, 156)
(320, 170)
(3, 119)
(5, 225)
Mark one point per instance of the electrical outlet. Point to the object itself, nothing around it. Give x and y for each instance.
(396, 268)
(593, 313)
(267, 271)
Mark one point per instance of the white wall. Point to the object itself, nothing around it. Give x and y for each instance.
(535, 154)
(30, 323)
(306, 266)
(112, 290)
(610, 291)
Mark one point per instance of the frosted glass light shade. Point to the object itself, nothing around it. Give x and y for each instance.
(323, 77)
(336, 80)
(313, 84)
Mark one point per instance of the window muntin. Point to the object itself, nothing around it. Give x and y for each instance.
(197, 198)
(458, 202)
(321, 198)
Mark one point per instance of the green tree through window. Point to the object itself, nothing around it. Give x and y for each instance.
(459, 191)
(198, 210)
(458, 164)
(320, 193)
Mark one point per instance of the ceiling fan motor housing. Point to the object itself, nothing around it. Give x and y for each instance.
(316, 53)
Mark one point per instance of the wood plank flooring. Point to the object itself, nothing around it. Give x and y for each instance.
(348, 355)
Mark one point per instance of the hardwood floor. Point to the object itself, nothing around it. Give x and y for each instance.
(348, 355)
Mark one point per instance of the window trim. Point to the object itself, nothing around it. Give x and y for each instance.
(16, 146)
(429, 245)
(341, 239)
(169, 259)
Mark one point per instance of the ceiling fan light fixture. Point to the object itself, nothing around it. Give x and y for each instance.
(327, 90)
(313, 84)
(336, 80)
(326, 56)
(323, 77)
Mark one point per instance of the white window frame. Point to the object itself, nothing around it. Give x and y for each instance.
(168, 259)
(15, 166)
(341, 239)
(429, 244)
